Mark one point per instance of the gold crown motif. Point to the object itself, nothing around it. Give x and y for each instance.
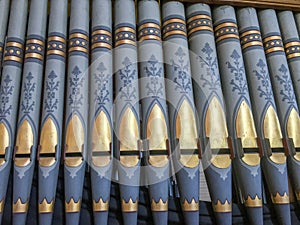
(159, 206)
(280, 199)
(253, 202)
(73, 206)
(20, 207)
(190, 206)
(46, 207)
(100, 206)
(222, 207)
(129, 206)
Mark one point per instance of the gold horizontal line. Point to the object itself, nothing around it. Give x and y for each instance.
(56, 52)
(198, 17)
(150, 37)
(222, 25)
(121, 42)
(252, 43)
(57, 38)
(13, 58)
(174, 32)
(79, 35)
(200, 28)
(250, 32)
(227, 36)
(101, 45)
(14, 44)
(149, 25)
(125, 29)
(35, 41)
(78, 48)
(101, 32)
(34, 55)
(276, 37)
(274, 49)
(294, 55)
(291, 44)
(173, 21)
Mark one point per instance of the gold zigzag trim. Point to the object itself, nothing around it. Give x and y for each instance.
(280, 199)
(222, 207)
(190, 206)
(159, 206)
(253, 202)
(46, 207)
(100, 206)
(129, 206)
(73, 206)
(20, 207)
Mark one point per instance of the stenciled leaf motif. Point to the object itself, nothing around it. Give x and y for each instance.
(101, 94)
(28, 104)
(6, 91)
(154, 71)
(52, 86)
(239, 82)
(127, 75)
(76, 84)
(265, 89)
(180, 69)
(284, 79)
(211, 78)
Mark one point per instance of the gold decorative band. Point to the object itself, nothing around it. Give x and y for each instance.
(79, 49)
(275, 37)
(20, 207)
(293, 55)
(56, 52)
(101, 45)
(159, 206)
(150, 37)
(280, 199)
(174, 32)
(253, 202)
(34, 41)
(2, 205)
(190, 206)
(14, 44)
(274, 49)
(129, 206)
(226, 36)
(101, 32)
(1, 48)
(175, 20)
(100, 206)
(196, 17)
(130, 42)
(73, 206)
(200, 28)
(13, 58)
(249, 32)
(57, 38)
(79, 35)
(45, 207)
(149, 25)
(252, 43)
(34, 55)
(292, 44)
(222, 25)
(125, 29)
(222, 208)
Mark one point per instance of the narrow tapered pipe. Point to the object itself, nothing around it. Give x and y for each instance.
(4, 11)
(10, 90)
(154, 107)
(49, 151)
(127, 126)
(101, 107)
(29, 113)
(183, 129)
(76, 113)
